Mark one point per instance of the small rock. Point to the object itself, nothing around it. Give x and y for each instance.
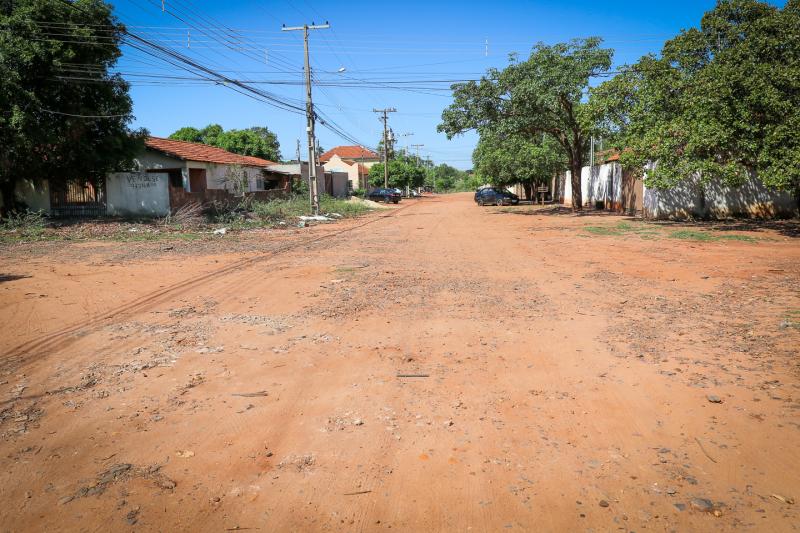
(448, 423)
(133, 516)
(358, 422)
(714, 399)
(603, 503)
(680, 506)
(221, 231)
(701, 504)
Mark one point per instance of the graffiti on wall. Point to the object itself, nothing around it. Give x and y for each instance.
(142, 180)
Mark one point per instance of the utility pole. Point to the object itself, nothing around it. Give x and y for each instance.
(310, 116)
(385, 120)
(419, 161)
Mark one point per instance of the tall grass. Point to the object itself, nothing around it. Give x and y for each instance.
(278, 210)
(25, 226)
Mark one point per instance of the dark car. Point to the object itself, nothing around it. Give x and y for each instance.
(384, 195)
(492, 196)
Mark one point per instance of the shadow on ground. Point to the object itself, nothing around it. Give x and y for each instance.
(784, 227)
(12, 277)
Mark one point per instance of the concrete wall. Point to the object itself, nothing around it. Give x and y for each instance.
(35, 195)
(216, 173)
(152, 160)
(340, 181)
(136, 194)
(693, 199)
(599, 184)
(602, 184)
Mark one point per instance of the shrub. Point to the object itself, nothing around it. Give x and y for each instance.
(28, 225)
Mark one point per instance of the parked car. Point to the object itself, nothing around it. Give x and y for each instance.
(493, 196)
(384, 195)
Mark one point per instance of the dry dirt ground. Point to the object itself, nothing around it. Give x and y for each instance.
(435, 367)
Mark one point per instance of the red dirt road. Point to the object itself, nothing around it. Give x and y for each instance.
(566, 378)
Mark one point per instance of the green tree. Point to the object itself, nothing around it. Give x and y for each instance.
(544, 94)
(51, 126)
(257, 141)
(403, 171)
(187, 133)
(443, 177)
(511, 159)
(721, 102)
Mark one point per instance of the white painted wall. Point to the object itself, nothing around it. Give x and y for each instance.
(601, 183)
(694, 199)
(152, 160)
(137, 194)
(215, 175)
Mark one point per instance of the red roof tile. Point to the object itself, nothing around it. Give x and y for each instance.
(349, 152)
(189, 151)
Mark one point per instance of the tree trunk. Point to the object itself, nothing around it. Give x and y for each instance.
(528, 187)
(575, 170)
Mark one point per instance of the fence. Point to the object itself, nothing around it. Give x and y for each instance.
(78, 199)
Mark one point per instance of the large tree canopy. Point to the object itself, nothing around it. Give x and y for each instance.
(510, 159)
(52, 125)
(257, 141)
(722, 101)
(544, 94)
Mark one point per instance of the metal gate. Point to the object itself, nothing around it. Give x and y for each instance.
(78, 199)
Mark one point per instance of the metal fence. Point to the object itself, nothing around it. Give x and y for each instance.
(78, 199)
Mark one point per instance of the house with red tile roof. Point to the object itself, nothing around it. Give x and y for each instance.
(198, 167)
(354, 160)
(355, 153)
(166, 175)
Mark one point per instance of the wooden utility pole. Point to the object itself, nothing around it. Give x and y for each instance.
(310, 116)
(385, 120)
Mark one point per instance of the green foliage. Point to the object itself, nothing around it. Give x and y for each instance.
(542, 95)
(403, 171)
(24, 225)
(39, 138)
(257, 141)
(281, 210)
(722, 101)
(443, 177)
(510, 159)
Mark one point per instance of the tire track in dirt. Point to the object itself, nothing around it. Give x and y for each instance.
(59, 339)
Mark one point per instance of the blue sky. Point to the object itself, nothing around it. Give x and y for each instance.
(378, 43)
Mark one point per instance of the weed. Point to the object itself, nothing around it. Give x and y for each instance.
(278, 210)
(623, 228)
(706, 236)
(23, 226)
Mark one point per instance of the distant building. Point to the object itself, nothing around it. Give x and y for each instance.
(355, 161)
